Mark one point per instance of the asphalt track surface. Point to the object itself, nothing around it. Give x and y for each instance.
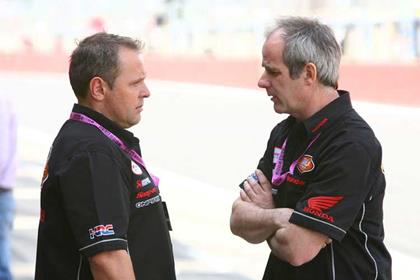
(201, 141)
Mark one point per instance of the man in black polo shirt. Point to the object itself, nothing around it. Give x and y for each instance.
(316, 197)
(102, 216)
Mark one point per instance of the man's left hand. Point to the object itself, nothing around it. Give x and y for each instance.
(258, 192)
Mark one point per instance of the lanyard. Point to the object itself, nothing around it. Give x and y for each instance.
(131, 152)
(278, 177)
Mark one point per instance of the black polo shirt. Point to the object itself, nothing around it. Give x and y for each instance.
(337, 188)
(94, 198)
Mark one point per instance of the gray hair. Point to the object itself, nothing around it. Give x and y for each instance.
(309, 41)
(98, 56)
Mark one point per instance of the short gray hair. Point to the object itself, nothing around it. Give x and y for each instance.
(308, 41)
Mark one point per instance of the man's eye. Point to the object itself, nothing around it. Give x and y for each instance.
(271, 72)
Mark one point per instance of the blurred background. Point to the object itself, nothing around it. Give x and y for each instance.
(368, 30)
(206, 123)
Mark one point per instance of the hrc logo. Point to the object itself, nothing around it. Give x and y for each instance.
(101, 230)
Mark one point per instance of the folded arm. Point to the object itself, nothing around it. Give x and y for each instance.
(296, 245)
(255, 219)
(255, 224)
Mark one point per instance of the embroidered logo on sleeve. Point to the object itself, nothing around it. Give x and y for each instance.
(305, 164)
(318, 204)
(101, 230)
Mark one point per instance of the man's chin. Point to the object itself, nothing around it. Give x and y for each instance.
(136, 121)
(278, 109)
(132, 123)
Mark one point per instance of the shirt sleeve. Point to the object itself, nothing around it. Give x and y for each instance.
(334, 198)
(96, 202)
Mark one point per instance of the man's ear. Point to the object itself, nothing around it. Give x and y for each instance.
(97, 87)
(310, 73)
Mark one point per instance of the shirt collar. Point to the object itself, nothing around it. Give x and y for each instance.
(329, 114)
(126, 136)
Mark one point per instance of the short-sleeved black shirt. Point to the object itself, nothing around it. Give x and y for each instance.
(337, 188)
(94, 198)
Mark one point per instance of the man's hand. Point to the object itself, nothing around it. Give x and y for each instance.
(258, 192)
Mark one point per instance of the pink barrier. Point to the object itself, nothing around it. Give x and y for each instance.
(394, 84)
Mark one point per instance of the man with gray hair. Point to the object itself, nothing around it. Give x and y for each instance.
(316, 196)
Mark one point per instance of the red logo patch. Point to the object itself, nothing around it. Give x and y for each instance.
(138, 184)
(147, 193)
(42, 216)
(305, 164)
(45, 173)
(295, 181)
(318, 204)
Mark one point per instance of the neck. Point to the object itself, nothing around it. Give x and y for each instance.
(320, 98)
(92, 105)
(86, 103)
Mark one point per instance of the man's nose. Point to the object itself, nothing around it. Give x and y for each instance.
(263, 83)
(145, 92)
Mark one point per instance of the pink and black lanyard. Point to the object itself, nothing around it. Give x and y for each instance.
(131, 152)
(278, 178)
